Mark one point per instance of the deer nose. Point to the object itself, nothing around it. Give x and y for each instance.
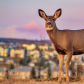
(49, 23)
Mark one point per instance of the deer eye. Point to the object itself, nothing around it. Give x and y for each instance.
(53, 19)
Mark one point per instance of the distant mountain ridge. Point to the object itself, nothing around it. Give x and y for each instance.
(15, 40)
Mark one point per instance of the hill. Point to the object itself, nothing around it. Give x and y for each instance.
(14, 40)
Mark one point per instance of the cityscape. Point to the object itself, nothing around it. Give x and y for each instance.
(27, 55)
(20, 58)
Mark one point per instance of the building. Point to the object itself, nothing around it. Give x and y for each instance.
(44, 73)
(9, 61)
(54, 72)
(51, 47)
(35, 53)
(29, 46)
(3, 51)
(77, 57)
(18, 52)
(51, 63)
(2, 59)
(2, 72)
(22, 72)
(43, 47)
(48, 54)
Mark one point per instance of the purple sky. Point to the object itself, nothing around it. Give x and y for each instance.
(20, 19)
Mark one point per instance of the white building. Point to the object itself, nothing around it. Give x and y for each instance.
(35, 53)
(43, 47)
(17, 53)
(3, 51)
(29, 46)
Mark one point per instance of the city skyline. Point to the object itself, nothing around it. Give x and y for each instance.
(20, 19)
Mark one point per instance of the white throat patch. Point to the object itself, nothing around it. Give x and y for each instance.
(47, 28)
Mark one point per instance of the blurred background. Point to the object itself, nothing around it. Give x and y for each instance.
(20, 19)
(24, 42)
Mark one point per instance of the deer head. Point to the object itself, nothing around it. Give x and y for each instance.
(50, 20)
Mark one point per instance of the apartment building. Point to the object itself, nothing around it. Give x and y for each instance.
(3, 51)
(18, 52)
(29, 46)
(43, 47)
(35, 53)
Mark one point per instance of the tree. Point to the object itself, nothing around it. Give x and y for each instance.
(83, 58)
(26, 51)
(39, 69)
(33, 73)
(12, 66)
(57, 61)
(29, 59)
(8, 54)
(42, 61)
(79, 70)
(71, 67)
(44, 64)
(22, 61)
(41, 54)
(6, 74)
(49, 71)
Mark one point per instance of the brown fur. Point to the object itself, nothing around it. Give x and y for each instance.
(70, 42)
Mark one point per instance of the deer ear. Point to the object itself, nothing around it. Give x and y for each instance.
(42, 14)
(57, 13)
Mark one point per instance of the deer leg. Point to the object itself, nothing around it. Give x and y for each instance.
(69, 55)
(61, 59)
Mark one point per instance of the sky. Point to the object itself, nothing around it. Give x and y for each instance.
(20, 19)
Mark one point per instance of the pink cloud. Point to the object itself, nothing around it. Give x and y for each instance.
(34, 28)
(11, 32)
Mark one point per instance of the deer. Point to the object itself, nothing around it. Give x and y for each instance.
(66, 42)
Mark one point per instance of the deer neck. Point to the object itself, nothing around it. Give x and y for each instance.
(53, 33)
